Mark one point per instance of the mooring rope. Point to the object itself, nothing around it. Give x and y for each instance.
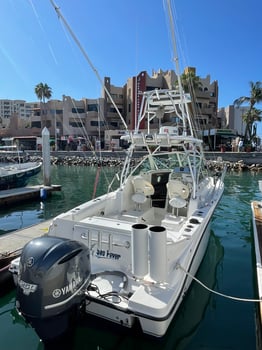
(215, 292)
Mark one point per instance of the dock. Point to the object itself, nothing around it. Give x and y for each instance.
(16, 240)
(13, 243)
(22, 194)
(256, 207)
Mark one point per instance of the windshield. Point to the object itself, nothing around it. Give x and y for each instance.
(162, 161)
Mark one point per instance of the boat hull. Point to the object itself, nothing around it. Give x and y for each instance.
(18, 176)
(256, 207)
(157, 323)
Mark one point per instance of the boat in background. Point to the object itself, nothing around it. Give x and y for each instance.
(15, 169)
(129, 255)
(256, 207)
(14, 175)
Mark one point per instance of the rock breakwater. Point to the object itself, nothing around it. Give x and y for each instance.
(116, 160)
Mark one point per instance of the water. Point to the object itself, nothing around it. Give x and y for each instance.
(205, 320)
(77, 186)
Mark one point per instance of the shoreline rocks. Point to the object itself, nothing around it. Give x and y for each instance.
(114, 160)
(240, 165)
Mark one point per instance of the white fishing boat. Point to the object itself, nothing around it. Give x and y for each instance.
(128, 256)
(256, 207)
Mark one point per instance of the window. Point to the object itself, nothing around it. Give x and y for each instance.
(92, 107)
(36, 125)
(95, 123)
(150, 88)
(113, 110)
(76, 124)
(78, 110)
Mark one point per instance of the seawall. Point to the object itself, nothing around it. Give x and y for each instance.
(248, 158)
(117, 157)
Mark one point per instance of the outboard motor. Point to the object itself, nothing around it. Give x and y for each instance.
(53, 275)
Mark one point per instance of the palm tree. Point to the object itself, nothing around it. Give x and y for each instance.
(42, 92)
(253, 114)
(191, 83)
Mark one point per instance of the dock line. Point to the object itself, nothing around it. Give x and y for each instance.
(215, 292)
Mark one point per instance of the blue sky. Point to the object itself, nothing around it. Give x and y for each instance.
(220, 38)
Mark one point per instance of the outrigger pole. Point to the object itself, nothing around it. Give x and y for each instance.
(88, 60)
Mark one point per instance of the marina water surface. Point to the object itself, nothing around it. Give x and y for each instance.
(205, 320)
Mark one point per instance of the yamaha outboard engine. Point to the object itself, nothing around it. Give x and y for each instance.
(53, 275)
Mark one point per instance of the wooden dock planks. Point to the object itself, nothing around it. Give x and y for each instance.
(16, 195)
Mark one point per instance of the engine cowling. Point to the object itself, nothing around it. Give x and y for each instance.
(53, 276)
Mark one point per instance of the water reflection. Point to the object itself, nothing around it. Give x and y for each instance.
(77, 187)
